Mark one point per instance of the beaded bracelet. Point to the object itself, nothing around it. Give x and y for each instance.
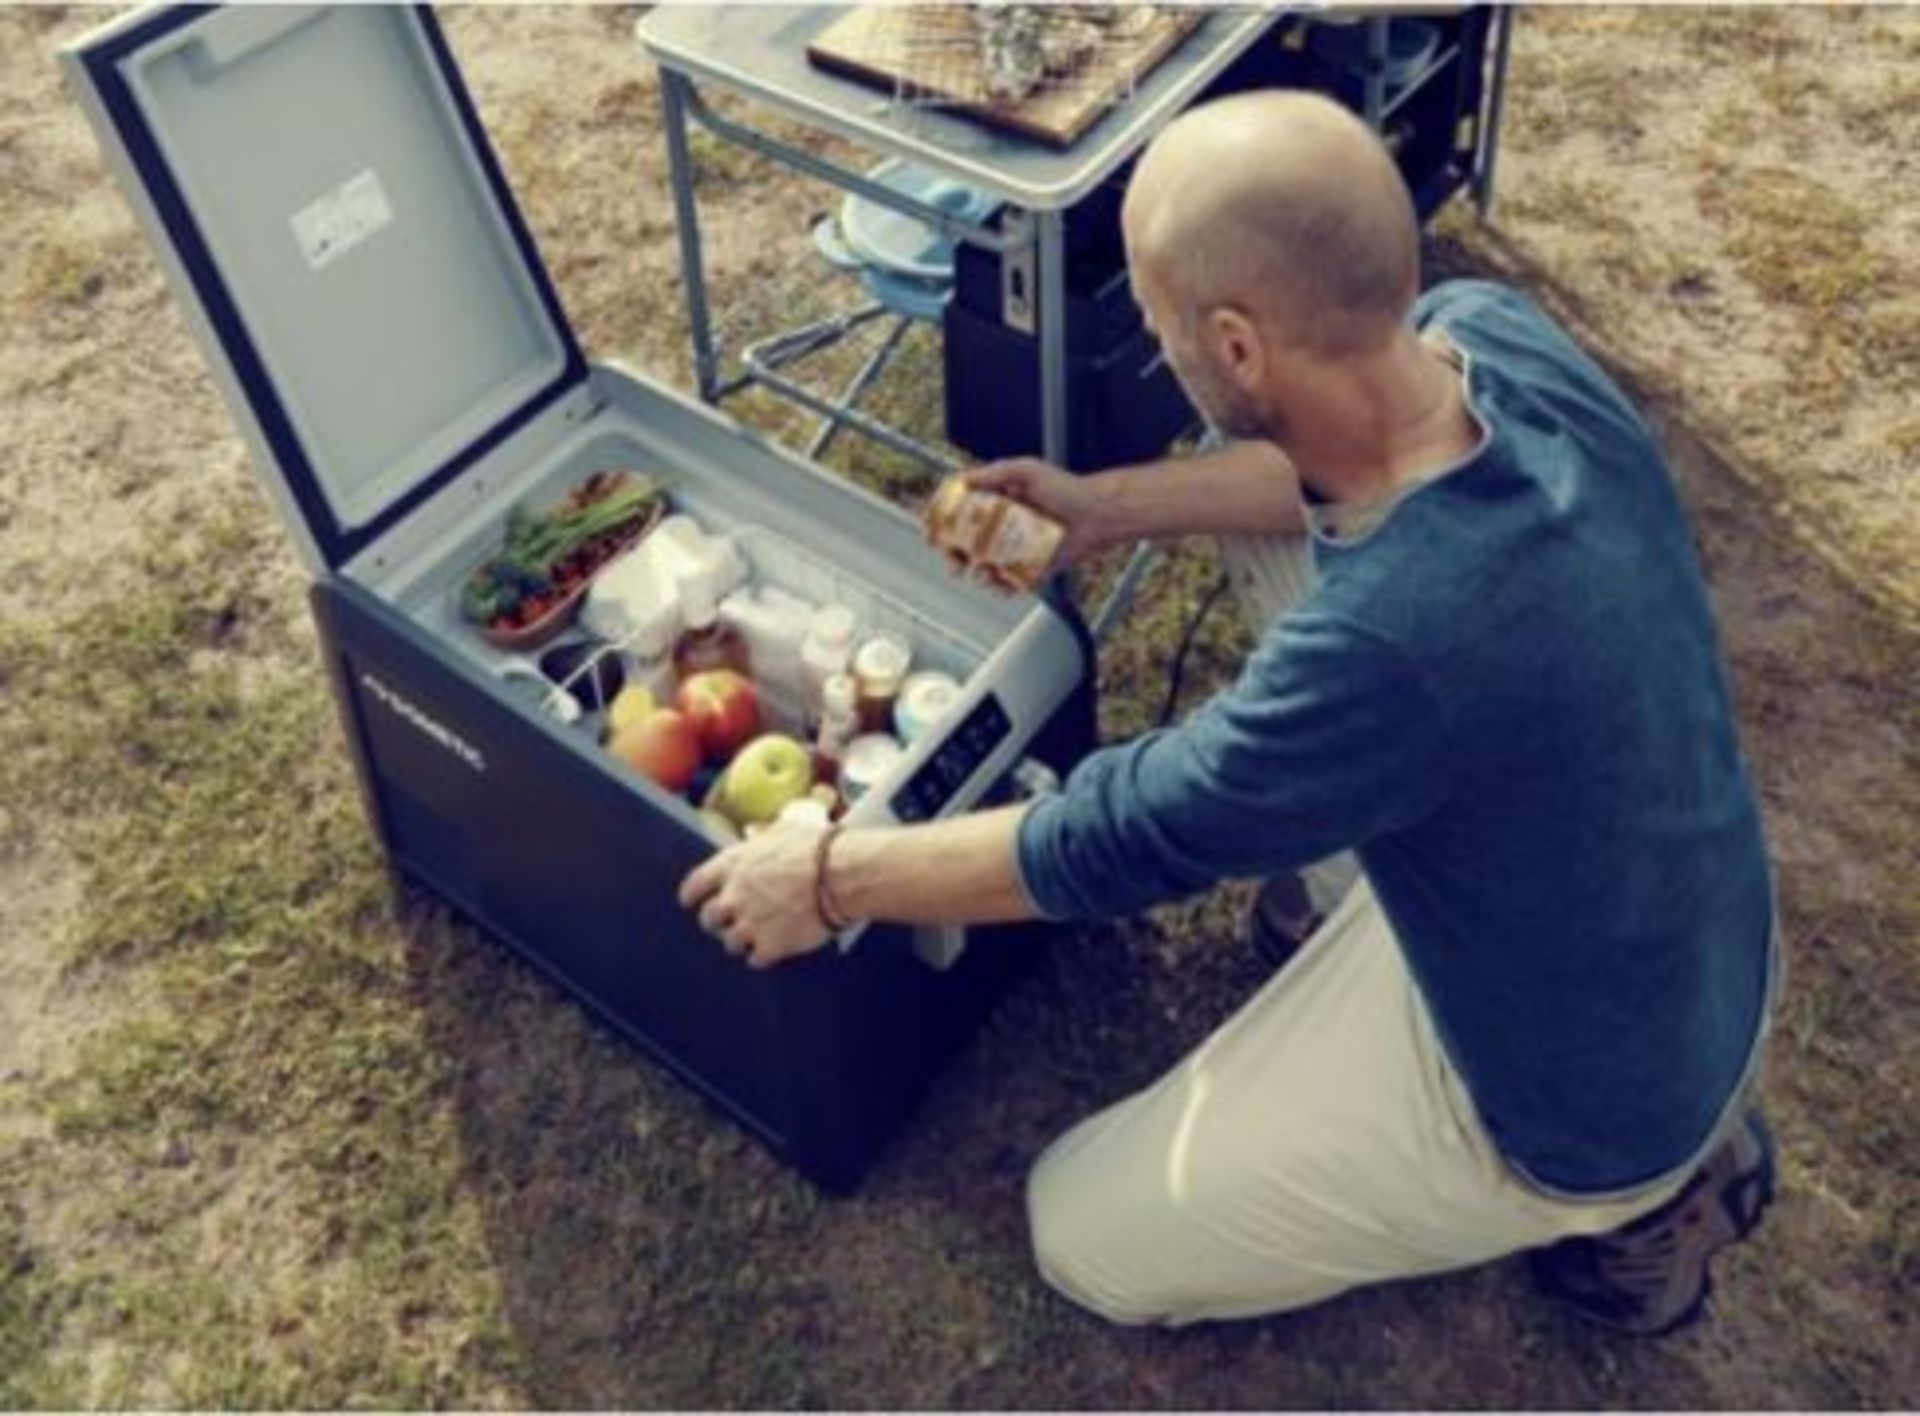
(824, 903)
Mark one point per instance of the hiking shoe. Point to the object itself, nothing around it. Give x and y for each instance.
(1651, 1277)
(1281, 919)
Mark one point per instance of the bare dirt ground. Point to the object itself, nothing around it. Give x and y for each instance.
(267, 1139)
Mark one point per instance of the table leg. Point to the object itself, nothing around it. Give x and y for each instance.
(1483, 192)
(1120, 597)
(831, 424)
(706, 362)
(1050, 233)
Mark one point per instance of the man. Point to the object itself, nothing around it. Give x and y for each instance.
(1533, 1023)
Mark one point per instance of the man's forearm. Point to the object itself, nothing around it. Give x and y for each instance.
(947, 872)
(1244, 487)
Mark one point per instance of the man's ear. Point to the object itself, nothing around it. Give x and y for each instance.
(1238, 349)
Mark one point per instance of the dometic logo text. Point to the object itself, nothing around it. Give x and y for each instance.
(432, 727)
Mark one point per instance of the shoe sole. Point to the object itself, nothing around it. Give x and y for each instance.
(1742, 1203)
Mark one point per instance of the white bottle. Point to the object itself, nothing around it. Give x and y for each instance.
(651, 648)
(839, 725)
(826, 651)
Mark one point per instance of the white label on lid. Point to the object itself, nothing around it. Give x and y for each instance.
(330, 227)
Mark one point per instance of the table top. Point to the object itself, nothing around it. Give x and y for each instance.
(760, 52)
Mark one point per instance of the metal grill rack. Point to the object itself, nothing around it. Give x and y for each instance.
(946, 45)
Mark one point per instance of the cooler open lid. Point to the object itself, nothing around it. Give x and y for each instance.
(332, 207)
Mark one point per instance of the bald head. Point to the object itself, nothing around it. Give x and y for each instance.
(1281, 205)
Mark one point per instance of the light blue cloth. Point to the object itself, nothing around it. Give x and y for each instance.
(1509, 699)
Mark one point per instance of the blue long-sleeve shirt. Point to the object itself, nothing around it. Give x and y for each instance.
(1508, 699)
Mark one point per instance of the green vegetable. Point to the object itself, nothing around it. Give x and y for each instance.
(535, 543)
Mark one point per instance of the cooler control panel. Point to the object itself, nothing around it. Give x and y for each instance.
(971, 743)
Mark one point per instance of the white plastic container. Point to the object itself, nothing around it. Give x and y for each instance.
(774, 624)
(925, 698)
(649, 584)
(827, 650)
(839, 725)
(650, 659)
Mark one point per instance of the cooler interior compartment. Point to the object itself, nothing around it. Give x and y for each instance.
(775, 559)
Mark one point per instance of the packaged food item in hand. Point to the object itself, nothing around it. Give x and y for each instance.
(879, 668)
(993, 537)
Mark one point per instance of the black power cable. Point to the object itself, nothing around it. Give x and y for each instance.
(1178, 672)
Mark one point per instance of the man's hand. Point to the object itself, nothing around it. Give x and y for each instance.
(757, 897)
(1075, 502)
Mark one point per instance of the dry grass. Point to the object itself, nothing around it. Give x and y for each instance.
(1801, 243)
(269, 1137)
(1775, 204)
(56, 272)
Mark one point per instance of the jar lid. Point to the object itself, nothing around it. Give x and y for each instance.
(838, 693)
(884, 657)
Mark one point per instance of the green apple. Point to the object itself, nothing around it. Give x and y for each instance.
(769, 772)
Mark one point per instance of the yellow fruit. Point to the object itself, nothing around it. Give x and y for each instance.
(629, 706)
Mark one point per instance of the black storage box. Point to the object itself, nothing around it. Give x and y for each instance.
(1123, 402)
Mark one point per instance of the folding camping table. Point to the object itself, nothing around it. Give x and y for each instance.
(758, 53)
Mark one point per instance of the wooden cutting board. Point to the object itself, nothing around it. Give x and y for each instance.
(927, 54)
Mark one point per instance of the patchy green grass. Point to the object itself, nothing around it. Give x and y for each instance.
(234, 883)
(305, 1144)
(33, 1372)
(719, 164)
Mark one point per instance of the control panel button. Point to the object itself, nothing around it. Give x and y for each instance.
(927, 793)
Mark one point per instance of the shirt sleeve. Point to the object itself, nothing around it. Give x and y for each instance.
(1328, 740)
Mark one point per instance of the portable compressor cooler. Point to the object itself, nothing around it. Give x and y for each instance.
(330, 215)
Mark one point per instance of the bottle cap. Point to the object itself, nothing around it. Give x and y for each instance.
(924, 700)
(838, 693)
(883, 660)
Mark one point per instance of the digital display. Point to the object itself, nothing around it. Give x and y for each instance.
(928, 790)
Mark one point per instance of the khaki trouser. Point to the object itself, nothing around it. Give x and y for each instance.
(1318, 1140)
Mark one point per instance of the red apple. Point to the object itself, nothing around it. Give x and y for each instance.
(663, 745)
(724, 708)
